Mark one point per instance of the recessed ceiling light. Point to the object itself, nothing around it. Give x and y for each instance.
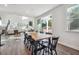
(23, 17)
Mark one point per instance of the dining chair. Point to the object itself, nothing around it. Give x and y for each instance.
(50, 48)
(35, 46)
(26, 41)
(53, 45)
(25, 37)
(45, 42)
(32, 44)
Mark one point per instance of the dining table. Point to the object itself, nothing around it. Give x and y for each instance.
(37, 37)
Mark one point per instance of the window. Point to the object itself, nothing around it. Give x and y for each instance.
(45, 24)
(73, 17)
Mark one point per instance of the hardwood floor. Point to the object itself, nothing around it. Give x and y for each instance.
(64, 50)
(15, 46)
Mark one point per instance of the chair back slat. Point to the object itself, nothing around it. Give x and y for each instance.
(54, 42)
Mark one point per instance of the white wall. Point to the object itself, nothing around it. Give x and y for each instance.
(67, 38)
(70, 39)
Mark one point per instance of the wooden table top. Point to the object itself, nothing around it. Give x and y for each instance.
(38, 36)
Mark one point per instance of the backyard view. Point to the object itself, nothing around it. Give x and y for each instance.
(45, 24)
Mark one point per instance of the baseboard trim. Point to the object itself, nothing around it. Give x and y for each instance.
(68, 46)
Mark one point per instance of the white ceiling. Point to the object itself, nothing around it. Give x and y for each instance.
(32, 10)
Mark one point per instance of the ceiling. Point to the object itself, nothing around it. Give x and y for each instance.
(31, 10)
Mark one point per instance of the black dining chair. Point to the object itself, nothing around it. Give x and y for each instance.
(25, 37)
(46, 42)
(53, 45)
(35, 46)
(32, 44)
(27, 41)
(50, 48)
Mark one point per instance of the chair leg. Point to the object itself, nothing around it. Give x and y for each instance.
(51, 51)
(40, 50)
(43, 51)
(27, 45)
(55, 52)
(24, 40)
(48, 50)
(32, 51)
